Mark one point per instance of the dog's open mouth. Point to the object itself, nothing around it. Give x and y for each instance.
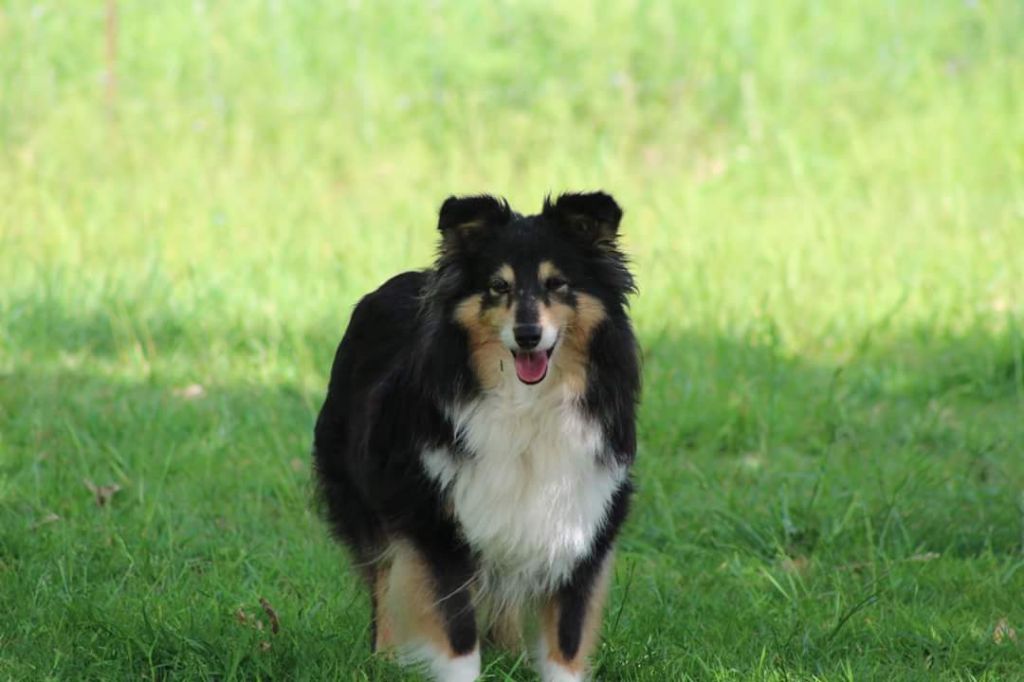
(532, 365)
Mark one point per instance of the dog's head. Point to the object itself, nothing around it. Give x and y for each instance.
(529, 291)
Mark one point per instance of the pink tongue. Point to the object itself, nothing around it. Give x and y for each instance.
(531, 366)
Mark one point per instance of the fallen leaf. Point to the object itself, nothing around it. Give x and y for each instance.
(752, 461)
(48, 519)
(190, 392)
(264, 646)
(275, 624)
(795, 565)
(240, 616)
(927, 556)
(1003, 632)
(102, 493)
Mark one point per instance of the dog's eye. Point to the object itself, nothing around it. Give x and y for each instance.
(498, 287)
(556, 284)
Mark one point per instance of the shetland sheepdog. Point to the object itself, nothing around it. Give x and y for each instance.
(474, 448)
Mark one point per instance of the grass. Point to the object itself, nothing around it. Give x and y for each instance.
(825, 206)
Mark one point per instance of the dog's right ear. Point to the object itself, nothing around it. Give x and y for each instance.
(463, 220)
(591, 217)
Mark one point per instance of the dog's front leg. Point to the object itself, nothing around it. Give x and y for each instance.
(428, 609)
(570, 621)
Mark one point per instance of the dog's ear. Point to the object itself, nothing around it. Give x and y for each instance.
(462, 220)
(592, 218)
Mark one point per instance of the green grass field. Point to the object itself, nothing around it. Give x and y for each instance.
(825, 208)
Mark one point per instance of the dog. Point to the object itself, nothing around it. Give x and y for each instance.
(474, 448)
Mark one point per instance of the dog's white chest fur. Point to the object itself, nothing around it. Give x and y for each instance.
(532, 494)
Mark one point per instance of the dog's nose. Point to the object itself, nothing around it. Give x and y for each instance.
(527, 335)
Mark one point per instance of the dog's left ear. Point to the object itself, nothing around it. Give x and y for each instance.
(592, 217)
(463, 220)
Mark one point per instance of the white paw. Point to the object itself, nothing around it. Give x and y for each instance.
(444, 668)
(553, 672)
(461, 669)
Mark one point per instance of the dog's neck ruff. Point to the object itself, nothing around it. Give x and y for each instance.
(530, 485)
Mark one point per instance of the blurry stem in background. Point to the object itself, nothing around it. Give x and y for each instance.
(1020, 506)
(1017, 349)
(110, 76)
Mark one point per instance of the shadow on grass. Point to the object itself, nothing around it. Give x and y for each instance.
(923, 435)
(212, 511)
(750, 458)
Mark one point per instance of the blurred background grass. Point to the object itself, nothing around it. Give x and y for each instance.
(825, 207)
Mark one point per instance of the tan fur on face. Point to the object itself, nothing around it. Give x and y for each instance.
(549, 615)
(547, 270)
(570, 360)
(487, 353)
(508, 274)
